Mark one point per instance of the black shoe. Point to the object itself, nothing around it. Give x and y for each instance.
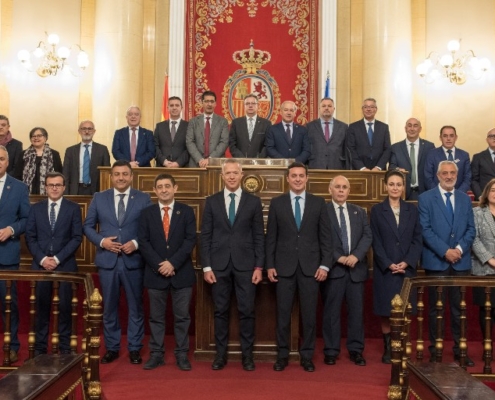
(219, 362)
(248, 363)
(13, 356)
(109, 357)
(307, 364)
(183, 364)
(357, 358)
(135, 357)
(468, 361)
(280, 364)
(330, 360)
(153, 363)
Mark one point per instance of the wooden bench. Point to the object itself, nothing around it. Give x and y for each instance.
(45, 377)
(445, 381)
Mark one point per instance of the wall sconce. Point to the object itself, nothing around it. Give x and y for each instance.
(453, 66)
(48, 60)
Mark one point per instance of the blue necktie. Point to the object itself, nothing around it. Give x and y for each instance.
(52, 216)
(450, 209)
(86, 178)
(232, 209)
(297, 213)
(450, 158)
(121, 209)
(370, 132)
(343, 232)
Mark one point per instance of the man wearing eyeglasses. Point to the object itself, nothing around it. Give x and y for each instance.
(247, 134)
(483, 166)
(82, 160)
(207, 134)
(53, 235)
(369, 140)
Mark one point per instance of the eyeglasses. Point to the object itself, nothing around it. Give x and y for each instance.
(87, 129)
(37, 136)
(54, 185)
(491, 136)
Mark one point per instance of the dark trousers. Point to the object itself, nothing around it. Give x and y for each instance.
(307, 287)
(111, 281)
(245, 292)
(334, 291)
(84, 190)
(181, 300)
(43, 306)
(454, 294)
(14, 311)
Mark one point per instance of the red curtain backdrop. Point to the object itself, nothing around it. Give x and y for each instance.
(285, 32)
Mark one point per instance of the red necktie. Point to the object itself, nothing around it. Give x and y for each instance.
(207, 138)
(133, 144)
(166, 221)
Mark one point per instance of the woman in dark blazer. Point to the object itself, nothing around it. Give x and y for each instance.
(483, 250)
(397, 246)
(37, 160)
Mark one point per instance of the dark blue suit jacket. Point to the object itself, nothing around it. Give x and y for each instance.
(399, 158)
(65, 239)
(363, 153)
(278, 146)
(145, 152)
(461, 158)
(177, 249)
(14, 211)
(440, 234)
(102, 212)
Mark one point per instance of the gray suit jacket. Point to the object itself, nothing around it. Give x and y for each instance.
(99, 158)
(219, 138)
(239, 143)
(483, 170)
(331, 155)
(166, 149)
(399, 158)
(484, 242)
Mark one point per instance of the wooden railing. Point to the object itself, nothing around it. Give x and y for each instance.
(86, 342)
(402, 321)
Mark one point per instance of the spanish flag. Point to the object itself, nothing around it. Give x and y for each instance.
(165, 114)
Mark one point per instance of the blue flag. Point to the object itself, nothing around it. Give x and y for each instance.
(327, 86)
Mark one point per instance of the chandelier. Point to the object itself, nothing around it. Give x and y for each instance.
(454, 66)
(48, 60)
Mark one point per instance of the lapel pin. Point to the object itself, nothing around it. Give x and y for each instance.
(355, 212)
(177, 212)
(8, 187)
(132, 197)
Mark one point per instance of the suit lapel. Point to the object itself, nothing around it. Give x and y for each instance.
(353, 222)
(488, 159)
(174, 221)
(126, 145)
(7, 190)
(284, 133)
(442, 205)
(111, 205)
(222, 207)
(404, 218)
(334, 220)
(240, 207)
(405, 153)
(389, 217)
(141, 141)
(61, 217)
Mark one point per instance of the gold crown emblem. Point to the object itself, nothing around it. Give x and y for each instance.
(251, 59)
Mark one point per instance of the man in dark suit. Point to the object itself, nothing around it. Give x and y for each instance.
(299, 253)
(483, 166)
(288, 139)
(247, 134)
(448, 151)
(13, 146)
(166, 237)
(170, 138)
(207, 134)
(233, 255)
(351, 235)
(14, 211)
(368, 140)
(82, 160)
(133, 142)
(446, 216)
(328, 139)
(53, 235)
(116, 212)
(409, 155)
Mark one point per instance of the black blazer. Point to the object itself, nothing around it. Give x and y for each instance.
(177, 249)
(239, 143)
(57, 165)
(14, 150)
(166, 149)
(482, 170)
(361, 239)
(331, 155)
(243, 243)
(286, 247)
(99, 158)
(363, 154)
(278, 145)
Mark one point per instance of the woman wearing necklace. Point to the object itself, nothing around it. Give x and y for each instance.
(37, 160)
(397, 246)
(483, 250)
